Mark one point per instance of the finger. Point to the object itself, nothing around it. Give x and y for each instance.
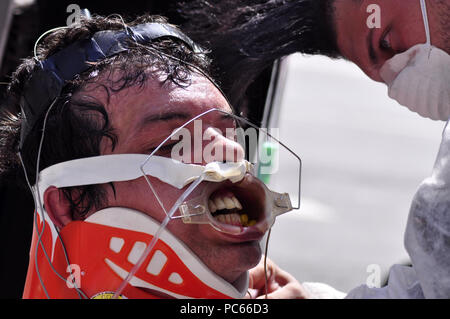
(258, 274)
(252, 294)
(283, 278)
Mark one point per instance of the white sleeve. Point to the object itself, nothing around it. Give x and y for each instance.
(317, 290)
(427, 237)
(427, 240)
(402, 284)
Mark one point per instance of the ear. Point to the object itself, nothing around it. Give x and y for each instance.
(57, 207)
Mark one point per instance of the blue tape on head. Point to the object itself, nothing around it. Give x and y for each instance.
(79, 54)
(46, 83)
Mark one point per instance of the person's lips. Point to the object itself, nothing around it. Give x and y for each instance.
(248, 234)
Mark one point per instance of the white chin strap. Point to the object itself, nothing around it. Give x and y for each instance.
(126, 167)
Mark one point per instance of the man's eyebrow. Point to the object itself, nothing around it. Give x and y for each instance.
(176, 115)
(167, 116)
(371, 51)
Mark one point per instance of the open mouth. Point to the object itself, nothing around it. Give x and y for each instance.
(238, 205)
(227, 209)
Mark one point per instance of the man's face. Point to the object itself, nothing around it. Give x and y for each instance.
(142, 118)
(401, 28)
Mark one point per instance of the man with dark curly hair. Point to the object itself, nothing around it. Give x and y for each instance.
(97, 97)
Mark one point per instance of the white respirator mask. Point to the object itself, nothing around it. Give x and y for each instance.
(419, 78)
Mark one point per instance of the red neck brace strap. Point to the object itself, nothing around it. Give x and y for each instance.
(103, 249)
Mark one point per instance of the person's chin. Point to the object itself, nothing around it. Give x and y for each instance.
(254, 256)
(247, 255)
(236, 254)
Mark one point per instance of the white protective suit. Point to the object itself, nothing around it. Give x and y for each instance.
(427, 241)
(427, 236)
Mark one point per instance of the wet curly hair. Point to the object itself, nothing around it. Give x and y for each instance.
(75, 126)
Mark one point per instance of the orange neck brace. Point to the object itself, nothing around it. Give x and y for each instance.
(103, 249)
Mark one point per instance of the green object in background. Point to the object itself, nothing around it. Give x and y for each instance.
(267, 159)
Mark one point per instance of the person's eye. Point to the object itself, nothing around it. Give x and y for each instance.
(164, 150)
(385, 42)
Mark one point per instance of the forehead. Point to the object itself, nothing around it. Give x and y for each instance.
(350, 19)
(347, 15)
(359, 42)
(126, 108)
(156, 95)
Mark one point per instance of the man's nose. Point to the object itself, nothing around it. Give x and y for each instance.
(220, 148)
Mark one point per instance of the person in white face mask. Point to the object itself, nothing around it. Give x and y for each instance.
(420, 80)
(410, 54)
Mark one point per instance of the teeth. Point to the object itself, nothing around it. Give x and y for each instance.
(212, 206)
(229, 204)
(219, 203)
(225, 202)
(230, 219)
(221, 218)
(236, 202)
(235, 219)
